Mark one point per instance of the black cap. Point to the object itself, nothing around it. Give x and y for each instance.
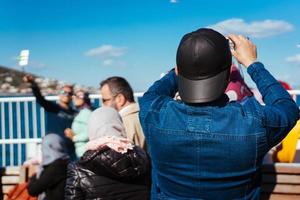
(203, 62)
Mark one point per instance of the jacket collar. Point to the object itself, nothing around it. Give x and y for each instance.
(220, 102)
(130, 109)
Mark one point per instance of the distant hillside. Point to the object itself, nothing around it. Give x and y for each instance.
(11, 83)
(14, 74)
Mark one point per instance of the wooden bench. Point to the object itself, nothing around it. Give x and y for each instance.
(10, 176)
(281, 181)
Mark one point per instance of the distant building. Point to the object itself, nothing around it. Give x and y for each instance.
(11, 82)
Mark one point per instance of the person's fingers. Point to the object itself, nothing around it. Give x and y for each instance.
(234, 53)
(125, 140)
(241, 37)
(28, 78)
(233, 38)
(247, 41)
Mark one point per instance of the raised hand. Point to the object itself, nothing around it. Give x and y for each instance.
(244, 50)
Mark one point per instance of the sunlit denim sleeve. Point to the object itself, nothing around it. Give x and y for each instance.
(161, 92)
(280, 113)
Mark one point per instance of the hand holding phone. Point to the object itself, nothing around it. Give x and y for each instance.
(243, 49)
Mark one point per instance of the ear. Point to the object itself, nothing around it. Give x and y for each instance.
(176, 70)
(120, 100)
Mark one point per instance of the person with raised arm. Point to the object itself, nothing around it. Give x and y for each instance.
(59, 115)
(205, 147)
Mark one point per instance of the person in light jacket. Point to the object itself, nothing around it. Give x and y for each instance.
(117, 93)
(78, 133)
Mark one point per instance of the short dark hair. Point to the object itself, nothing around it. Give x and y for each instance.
(119, 85)
(71, 86)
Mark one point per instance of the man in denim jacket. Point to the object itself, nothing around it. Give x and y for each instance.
(206, 147)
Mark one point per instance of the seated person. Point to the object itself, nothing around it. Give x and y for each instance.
(111, 168)
(78, 134)
(286, 151)
(49, 182)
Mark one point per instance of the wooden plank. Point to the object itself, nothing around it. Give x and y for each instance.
(10, 180)
(7, 188)
(23, 174)
(281, 188)
(279, 197)
(286, 168)
(10, 176)
(11, 171)
(281, 178)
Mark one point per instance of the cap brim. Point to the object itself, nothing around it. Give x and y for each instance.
(202, 91)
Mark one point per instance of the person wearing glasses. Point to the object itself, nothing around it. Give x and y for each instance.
(79, 134)
(117, 93)
(59, 115)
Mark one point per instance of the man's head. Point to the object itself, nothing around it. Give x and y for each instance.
(116, 92)
(66, 94)
(203, 65)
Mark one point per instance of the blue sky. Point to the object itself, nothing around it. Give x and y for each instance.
(87, 41)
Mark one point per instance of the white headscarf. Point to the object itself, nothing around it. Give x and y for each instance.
(105, 128)
(105, 121)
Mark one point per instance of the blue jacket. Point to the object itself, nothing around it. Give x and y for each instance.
(213, 150)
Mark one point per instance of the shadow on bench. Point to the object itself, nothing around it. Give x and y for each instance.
(281, 181)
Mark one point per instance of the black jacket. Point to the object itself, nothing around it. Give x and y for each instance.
(52, 181)
(108, 175)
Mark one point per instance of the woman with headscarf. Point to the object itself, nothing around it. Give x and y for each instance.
(79, 134)
(111, 168)
(49, 182)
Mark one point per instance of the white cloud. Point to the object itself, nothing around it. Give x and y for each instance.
(254, 29)
(173, 1)
(107, 62)
(108, 54)
(106, 51)
(298, 45)
(294, 59)
(113, 63)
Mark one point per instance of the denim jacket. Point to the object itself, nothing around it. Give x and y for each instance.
(213, 150)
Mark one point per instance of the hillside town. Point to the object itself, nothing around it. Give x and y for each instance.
(11, 83)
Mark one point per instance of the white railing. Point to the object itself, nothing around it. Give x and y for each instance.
(23, 123)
